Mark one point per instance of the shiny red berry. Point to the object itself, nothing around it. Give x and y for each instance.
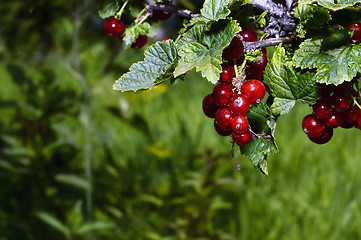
(352, 114)
(356, 26)
(240, 124)
(324, 138)
(341, 101)
(113, 27)
(335, 120)
(140, 42)
(222, 92)
(224, 118)
(254, 73)
(312, 126)
(322, 108)
(243, 138)
(260, 62)
(161, 14)
(165, 39)
(347, 125)
(253, 90)
(239, 104)
(209, 106)
(234, 50)
(227, 73)
(248, 34)
(326, 90)
(221, 131)
(359, 122)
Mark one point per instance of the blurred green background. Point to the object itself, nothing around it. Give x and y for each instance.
(81, 161)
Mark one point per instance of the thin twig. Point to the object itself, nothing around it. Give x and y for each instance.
(237, 165)
(152, 5)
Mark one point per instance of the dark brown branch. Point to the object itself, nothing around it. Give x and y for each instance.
(152, 5)
(251, 46)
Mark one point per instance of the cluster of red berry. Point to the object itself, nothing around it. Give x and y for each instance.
(356, 27)
(114, 27)
(232, 97)
(336, 108)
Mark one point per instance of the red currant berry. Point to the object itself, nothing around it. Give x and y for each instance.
(227, 73)
(347, 125)
(240, 124)
(222, 92)
(341, 101)
(234, 50)
(359, 122)
(335, 120)
(254, 73)
(224, 119)
(239, 104)
(352, 114)
(140, 42)
(326, 90)
(161, 14)
(323, 108)
(312, 126)
(113, 27)
(253, 90)
(209, 106)
(356, 26)
(221, 131)
(248, 34)
(243, 138)
(165, 39)
(261, 62)
(324, 138)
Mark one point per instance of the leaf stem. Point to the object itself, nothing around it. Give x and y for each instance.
(139, 16)
(120, 12)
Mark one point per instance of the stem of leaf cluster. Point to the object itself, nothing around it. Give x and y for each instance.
(139, 16)
(120, 12)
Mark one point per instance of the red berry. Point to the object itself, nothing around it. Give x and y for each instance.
(224, 119)
(359, 122)
(161, 14)
(261, 62)
(326, 90)
(356, 26)
(209, 106)
(240, 124)
(222, 92)
(113, 27)
(324, 138)
(140, 42)
(254, 73)
(165, 39)
(243, 138)
(312, 126)
(248, 34)
(227, 73)
(253, 90)
(352, 114)
(335, 120)
(234, 50)
(239, 104)
(323, 108)
(221, 131)
(341, 101)
(347, 125)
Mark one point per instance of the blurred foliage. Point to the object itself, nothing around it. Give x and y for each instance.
(80, 161)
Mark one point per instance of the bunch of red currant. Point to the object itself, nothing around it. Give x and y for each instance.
(232, 97)
(114, 27)
(356, 27)
(338, 107)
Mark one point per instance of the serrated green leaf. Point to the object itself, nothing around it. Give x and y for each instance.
(258, 149)
(252, 56)
(195, 34)
(133, 31)
(213, 10)
(334, 5)
(53, 222)
(109, 9)
(344, 64)
(206, 56)
(158, 65)
(287, 85)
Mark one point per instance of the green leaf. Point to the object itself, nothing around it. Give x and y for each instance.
(206, 56)
(72, 180)
(333, 5)
(93, 226)
(258, 149)
(344, 64)
(158, 65)
(310, 17)
(133, 31)
(53, 222)
(213, 10)
(195, 34)
(287, 85)
(109, 9)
